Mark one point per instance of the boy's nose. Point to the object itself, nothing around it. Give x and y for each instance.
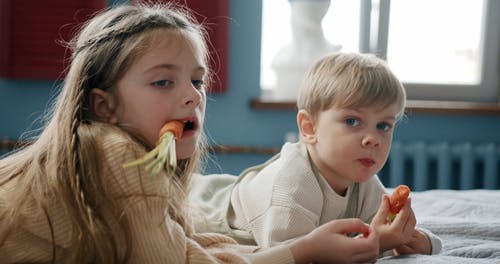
(370, 141)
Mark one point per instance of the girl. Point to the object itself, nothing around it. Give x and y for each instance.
(67, 198)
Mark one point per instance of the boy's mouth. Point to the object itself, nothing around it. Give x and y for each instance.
(367, 162)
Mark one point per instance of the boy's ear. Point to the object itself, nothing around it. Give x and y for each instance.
(102, 105)
(307, 130)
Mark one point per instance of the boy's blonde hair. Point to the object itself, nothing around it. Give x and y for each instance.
(350, 80)
(63, 164)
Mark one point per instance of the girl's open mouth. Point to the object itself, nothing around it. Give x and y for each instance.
(189, 125)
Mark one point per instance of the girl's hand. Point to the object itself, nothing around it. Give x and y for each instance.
(397, 233)
(329, 243)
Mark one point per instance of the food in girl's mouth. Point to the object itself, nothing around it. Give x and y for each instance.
(163, 155)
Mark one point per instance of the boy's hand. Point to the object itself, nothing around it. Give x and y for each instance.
(329, 243)
(397, 233)
(419, 244)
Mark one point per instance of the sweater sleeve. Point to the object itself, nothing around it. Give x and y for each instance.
(289, 200)
(436, 243)
(281, 225)
(155, 237)
(163, 241)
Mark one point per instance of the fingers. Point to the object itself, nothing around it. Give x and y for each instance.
(406, 217)
(351, 225)
(381, 215)
(405, 222)
(361, 249)
(402, 216)
(367, 249)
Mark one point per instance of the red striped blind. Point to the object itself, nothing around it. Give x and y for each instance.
(32, 35)
(32, 32)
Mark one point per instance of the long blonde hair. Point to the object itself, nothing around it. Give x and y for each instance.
(62, 163)
(348, 80)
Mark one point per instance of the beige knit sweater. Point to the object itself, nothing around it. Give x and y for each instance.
(154, 238)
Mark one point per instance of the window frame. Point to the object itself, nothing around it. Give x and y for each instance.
(487, 91)
(488, 88)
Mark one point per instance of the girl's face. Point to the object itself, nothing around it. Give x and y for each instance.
(351, 145)
(165, 83)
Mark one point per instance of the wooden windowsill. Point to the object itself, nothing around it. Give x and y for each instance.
(412, 106)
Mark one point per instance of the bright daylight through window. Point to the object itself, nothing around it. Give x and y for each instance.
(440, 49)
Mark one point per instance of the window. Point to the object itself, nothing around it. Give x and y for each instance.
(441, 50)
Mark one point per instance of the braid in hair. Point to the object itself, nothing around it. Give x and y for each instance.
(88, 224)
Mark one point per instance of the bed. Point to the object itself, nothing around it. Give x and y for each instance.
(467, 221)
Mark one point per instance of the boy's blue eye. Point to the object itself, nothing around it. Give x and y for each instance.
(384, 126)
(197, 83)
(161, 83)
(351, 121)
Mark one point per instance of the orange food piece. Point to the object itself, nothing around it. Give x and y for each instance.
(175, 126)
(398, 198)
(162, 157)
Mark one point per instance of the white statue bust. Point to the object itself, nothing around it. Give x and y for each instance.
(308, 44)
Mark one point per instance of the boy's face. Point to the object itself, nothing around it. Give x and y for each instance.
(351, 145)
(164, 84)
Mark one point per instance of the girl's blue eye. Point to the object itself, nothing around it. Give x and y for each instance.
(161, 83)
(352, 122)
(198, 83)
(384, 126)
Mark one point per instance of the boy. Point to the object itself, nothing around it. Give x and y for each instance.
(348, 106)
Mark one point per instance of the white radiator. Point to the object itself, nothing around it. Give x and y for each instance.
(443, 165)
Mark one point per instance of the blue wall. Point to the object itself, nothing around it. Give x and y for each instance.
(229, 119)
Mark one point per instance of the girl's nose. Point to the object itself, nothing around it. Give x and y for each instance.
(192, 96)
(370, 141)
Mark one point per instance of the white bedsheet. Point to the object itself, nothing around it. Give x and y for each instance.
(468, 222)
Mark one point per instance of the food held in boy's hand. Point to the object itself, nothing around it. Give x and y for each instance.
(163, 154)
(397, 201)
